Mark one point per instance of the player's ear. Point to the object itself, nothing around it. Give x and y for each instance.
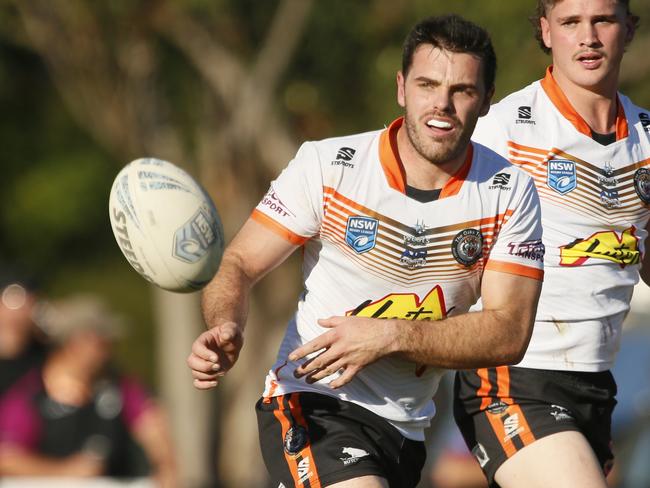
(485, 108)
(401, 97)
(546, 31)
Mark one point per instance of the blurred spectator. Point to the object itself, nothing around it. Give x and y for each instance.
(455, 466)
(21, 342)
(76, 415)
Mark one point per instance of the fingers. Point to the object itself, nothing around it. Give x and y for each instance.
(321, 342)
(345, 378)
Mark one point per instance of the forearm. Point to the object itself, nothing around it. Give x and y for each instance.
(472, 340)
(226, 297)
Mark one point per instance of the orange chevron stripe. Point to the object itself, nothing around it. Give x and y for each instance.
(278, 229)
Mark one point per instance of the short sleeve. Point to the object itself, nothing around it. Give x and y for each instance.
(136, 399)
(490, 132)
(519, 248)
(292, 207)
(20, 424)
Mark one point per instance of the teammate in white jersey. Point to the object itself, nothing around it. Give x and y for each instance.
(546, 422)
(409, 225)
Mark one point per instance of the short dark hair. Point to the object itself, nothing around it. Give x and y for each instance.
(543, 6)
(452, 33)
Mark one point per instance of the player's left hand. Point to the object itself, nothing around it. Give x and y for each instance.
(351, 344)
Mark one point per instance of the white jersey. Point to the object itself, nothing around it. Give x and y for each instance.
(595, 207)
(369, 250)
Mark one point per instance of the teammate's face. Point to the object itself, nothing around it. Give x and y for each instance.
(587, 39)
(443, 95)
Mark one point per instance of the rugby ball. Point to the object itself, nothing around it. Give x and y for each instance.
(166, 225)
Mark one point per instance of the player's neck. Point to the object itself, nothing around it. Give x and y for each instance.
(422, 173)
(598, 106)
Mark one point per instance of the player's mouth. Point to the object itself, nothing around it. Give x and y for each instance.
(440, 126)
(590, 60)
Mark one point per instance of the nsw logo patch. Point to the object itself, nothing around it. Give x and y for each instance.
(361, 233)
(562, 176)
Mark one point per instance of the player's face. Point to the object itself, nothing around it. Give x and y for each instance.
(587, 39)
(443, 95)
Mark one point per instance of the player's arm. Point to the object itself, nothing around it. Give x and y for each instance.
(253, 252)
(645, 265)
(497, 335)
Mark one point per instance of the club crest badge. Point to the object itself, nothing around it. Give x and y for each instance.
(467, 246)
(642, 184)
(295, 440)
(561, 175)
(361, 233)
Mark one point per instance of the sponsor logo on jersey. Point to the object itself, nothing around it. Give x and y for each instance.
(406, 306)
(644, 118)
(343, 157)
(273, 203)
(295, 440)
(642, 184)
(192, 240)
(533, 250)
(413, 258)
(623, 249)
(561, 175)
(607, 178)
(415, 254)
(500, 182)
(361, 233)
(467, 246)
(560, 413)
(511, 427)
(480, 454)
(609, 198)
(497, 408)
(353, 455)
(524, 115)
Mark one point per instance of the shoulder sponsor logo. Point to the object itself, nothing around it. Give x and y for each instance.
(273, 203)
(533, 250)
(524, 115)
(344, 156)
(644, 118)
(642, 184)
(353, 455)
(623, 249)
(361, 233)
(500, 182)
(561, 176)
(467, 246)
(480, 454)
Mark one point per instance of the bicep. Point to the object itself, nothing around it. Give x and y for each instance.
(256, 249)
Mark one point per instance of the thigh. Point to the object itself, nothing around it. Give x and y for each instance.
(562, 460)
(503, 411)
(310, 440)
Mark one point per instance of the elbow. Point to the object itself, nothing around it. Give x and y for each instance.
(517, 344)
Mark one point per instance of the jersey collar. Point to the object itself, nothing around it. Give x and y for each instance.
(561, 102)
(393, 168)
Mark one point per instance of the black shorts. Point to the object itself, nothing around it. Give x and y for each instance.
(501, 410)
(309, 440)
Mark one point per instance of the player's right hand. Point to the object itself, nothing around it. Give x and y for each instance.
(214, 352)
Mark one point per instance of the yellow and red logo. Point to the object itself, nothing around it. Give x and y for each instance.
(407, 306)
(623, 249)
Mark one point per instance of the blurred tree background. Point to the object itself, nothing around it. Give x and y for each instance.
(226, 89)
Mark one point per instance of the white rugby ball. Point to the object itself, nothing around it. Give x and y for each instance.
(166, 225)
